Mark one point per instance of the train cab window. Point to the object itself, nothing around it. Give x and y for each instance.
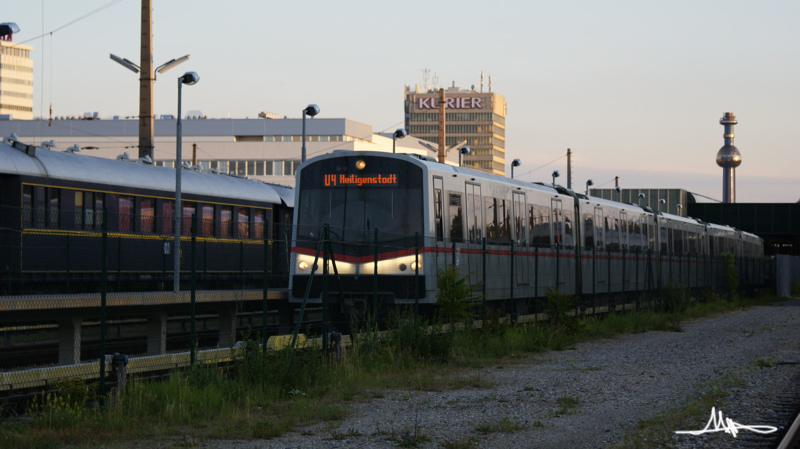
(243, 223)
(189, 210)
(455, 212)
(147, 215)
(125, 214)
(167, 217)
(258, 223)
(437, 214)
(225, 220)
(207, 220)
(588, 231)
(54, 209)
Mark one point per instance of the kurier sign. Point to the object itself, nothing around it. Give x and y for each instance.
(450, 103)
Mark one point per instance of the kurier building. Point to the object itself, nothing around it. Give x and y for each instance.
(16, 81)
(475, 118)
(268, 150)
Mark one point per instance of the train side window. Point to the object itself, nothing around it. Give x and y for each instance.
(125, 213)
(557, 223)
(147, 215)
(243, 223)
(189, 211)
(39, 204)
(503, 221)
(27, 206)
(88, 210)
(599, 237)
(588, 230)
(225, 220)
(54, 207)
(207, 220)
(474, 213)
(99, 205)
(663, 237)
(167, 217)
(258, 223)
(437, 209)
(520, 228)
(490, 211)
(456, 214)
(623, 230)
(569, 239)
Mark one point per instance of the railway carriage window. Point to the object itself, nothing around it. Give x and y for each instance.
(167, 217)
(520, 225)
(541, 226)
(39, 202)
(455, 212)
(474, 213)
(54, 207)
(99, 205)
(27, 206)
(663, 238)
(207, 217)
(503, 221)
(225, 221)
(677, 242)
(88, 211)
(569, 239)
(437, 214)
(558, 225)
(189, 210)
(599, 236)
(258, 223)
(588, 231)
(148, 215)
(612, 236)
(623, 230)
(243, 221)
(125, 213)
(490, 212)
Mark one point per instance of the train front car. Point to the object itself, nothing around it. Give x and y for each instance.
(373, 206)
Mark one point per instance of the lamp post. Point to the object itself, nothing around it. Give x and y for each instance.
(398, 134)
(514, 163)
(680, 208)
(465, 150)
(555, 175)
(146, 118)
(188, 78)
(660, 202)
(619, 194)
(589, 183)
(7, 29)
(641, 197)
(311, 110)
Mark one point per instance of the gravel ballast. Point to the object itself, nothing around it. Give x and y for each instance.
(587, 397)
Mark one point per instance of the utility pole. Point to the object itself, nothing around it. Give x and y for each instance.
(442, 124)
(146, 118)
(569, 168)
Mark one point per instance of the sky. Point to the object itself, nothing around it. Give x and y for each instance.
(635, 88)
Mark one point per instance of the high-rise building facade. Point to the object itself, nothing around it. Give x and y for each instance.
(16, 81)
(473, 118)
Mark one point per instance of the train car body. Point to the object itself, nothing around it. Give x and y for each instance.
(405, 218)
(55, 205)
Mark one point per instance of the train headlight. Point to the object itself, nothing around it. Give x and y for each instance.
(302, 266)
(360, 164)
(414, 266)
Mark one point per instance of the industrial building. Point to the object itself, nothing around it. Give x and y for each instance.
(265, 149)
(473, 118)
(16, 81)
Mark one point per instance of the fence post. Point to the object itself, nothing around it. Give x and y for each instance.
(483, 268)
(326, 256)
(265, 296)
(69, 275)
(535, 280)
(594, 278)
(192, 303)
(624, 290)
(611, 305)
(511, 287)
(103, 293)
(375, 281)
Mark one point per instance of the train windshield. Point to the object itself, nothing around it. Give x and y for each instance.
(356, 195)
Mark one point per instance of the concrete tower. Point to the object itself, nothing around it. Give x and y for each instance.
(728, 157)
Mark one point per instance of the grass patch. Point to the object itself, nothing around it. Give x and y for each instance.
(503, 425)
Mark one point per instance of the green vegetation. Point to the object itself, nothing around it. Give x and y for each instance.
(263, 396)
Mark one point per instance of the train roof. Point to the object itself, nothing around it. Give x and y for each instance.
(27, 160)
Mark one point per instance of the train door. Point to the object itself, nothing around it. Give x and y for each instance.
(438, 221)
(520, 237)
(624, 246)
(557, 223)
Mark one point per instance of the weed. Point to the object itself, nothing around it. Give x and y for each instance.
(461, 443)
(503, 425)
(455, 296)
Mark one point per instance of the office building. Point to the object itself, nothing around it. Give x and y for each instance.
(16, 81)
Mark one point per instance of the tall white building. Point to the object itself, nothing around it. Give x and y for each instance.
(16, 81)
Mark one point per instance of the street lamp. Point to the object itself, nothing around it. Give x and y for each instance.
(465, 150)
(641, 197)
(311, 110)
(619, 194)
(660, 202)
(514, 163)
(8, 28)
(188, 78)
(589, 183)
(398, 134)
(146, 117)
(555, 175)
(680, 207)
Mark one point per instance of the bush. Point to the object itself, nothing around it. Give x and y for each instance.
(413, 337)
(558, 310)
(456, 296)
(731, 275)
